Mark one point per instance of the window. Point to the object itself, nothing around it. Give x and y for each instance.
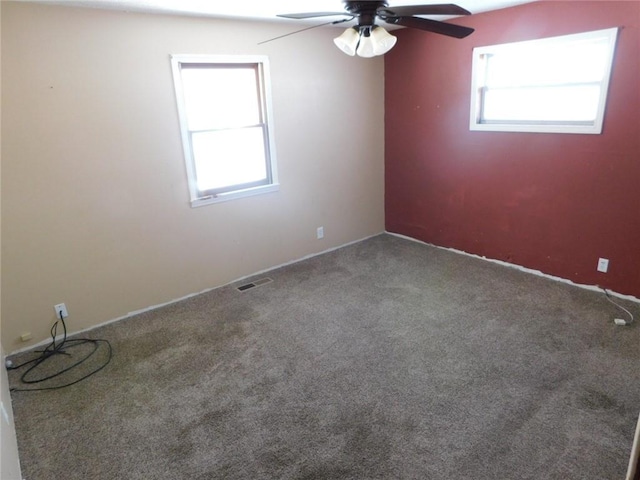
(554, 84)
(224, 110)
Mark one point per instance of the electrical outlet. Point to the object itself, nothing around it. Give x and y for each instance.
(320, 233)
(26, 336)
(603, 265)
(61, 310)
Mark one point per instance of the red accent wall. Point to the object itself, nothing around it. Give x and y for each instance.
(551, 202)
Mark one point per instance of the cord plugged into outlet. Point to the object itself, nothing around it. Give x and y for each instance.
(62, 349)
(61, 311)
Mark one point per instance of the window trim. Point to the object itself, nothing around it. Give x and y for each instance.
(576, 127)
(261, 63)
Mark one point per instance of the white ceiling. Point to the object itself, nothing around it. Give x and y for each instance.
(259, 9)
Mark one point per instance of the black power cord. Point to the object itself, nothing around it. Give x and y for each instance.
(60, 348)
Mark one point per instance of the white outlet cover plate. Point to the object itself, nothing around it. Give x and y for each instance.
(603, 265)
(61, 308)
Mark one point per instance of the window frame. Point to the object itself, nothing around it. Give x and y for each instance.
(263, 84)
(478, 87)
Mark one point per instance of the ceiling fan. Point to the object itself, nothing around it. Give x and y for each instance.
(368, 39)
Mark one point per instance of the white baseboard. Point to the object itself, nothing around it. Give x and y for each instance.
(524, 269)
(175, 300)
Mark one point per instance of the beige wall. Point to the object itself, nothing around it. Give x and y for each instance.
(95, 209)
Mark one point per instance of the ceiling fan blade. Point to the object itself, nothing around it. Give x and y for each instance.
(449, 29)
(408, 10)
(305, 29)
(302, 16)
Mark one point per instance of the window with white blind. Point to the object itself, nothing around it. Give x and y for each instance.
(556, 84)
(225, 118)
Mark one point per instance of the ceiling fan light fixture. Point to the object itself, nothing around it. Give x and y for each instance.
(382, 40)
(367, 39)
(348, 41)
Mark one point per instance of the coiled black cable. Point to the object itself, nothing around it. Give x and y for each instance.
(60, 348)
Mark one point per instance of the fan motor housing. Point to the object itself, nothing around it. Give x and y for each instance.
(366, 11)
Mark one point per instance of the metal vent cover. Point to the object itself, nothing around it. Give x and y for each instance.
(255, 283)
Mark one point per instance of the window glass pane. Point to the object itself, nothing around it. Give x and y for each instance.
(548, 63)
(220, 97)
(558, 104)
(229, 157)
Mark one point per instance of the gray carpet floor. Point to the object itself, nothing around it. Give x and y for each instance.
(386, 359)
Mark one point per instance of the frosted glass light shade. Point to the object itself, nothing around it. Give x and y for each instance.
(366, 48)
(382, 41)
(348, 41)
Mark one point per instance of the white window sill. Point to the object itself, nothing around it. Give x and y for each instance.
(515, 127)
(224, 197)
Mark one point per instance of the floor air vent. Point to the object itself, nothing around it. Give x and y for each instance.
(256, 283)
